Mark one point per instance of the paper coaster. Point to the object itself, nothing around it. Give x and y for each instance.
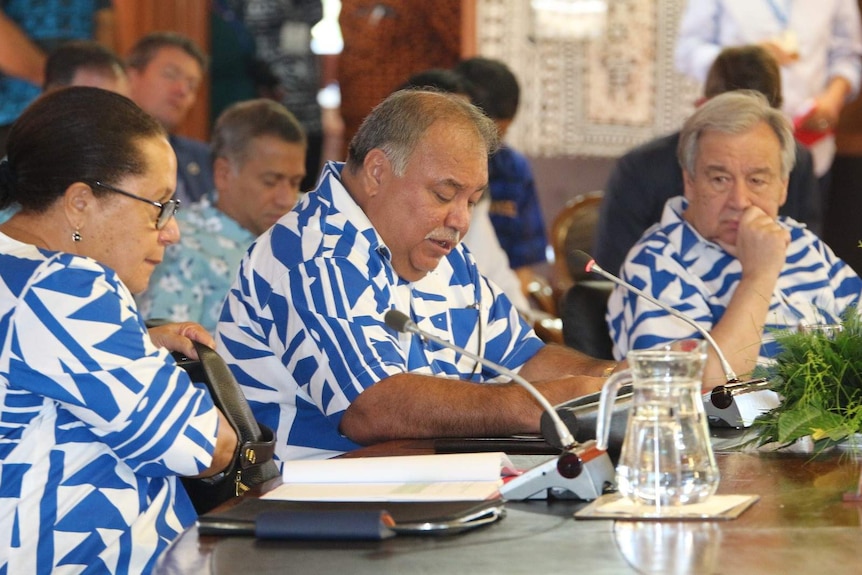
(716, 508)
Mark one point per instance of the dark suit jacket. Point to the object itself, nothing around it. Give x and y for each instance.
(194, 169)
(645, 177)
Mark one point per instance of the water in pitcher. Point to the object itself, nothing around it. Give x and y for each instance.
(663, 461)
(666, 457)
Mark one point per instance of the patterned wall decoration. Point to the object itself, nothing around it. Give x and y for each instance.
(595, 96)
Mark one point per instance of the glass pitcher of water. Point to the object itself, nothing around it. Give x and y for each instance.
(666, 456)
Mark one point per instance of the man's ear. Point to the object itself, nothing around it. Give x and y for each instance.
(134, 77)
(375, 169)
(783, 198)
(688, 185)
(221, 173)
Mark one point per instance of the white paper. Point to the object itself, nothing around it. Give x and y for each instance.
(400, 469)
(436, 491)
(447, 477)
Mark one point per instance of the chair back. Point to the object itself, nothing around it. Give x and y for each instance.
(582, 311)
(573, 229)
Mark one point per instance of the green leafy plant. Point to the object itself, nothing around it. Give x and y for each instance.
(819, 378)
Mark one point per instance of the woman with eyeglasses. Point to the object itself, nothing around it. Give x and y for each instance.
(96, 419)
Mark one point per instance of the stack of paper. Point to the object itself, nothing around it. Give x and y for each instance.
(449, 477)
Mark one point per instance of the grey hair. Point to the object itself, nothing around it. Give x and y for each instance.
(397, 124)
(735, 112)
(244, 121)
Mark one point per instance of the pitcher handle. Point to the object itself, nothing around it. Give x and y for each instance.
(606, 406)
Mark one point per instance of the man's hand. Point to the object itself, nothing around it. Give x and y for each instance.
(179, 337)
(761, 247)
(784, 53)
(761, 244)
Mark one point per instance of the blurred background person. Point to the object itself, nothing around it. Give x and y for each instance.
(86, 63)
(165, 74)
(387, 42)
(817, 43)
(258, 163)
(29, 30)
(515, 210)
(274, 40)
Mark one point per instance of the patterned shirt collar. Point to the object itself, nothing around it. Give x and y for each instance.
(334, 193)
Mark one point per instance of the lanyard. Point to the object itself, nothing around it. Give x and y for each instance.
(781, 11)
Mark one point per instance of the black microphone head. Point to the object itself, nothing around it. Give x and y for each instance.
(397, 320)
(549, 430)
(583, 260)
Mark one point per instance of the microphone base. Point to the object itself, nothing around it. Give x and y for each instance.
(544, 480)
(743, 408)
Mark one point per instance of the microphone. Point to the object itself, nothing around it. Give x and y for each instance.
(722, 395)
(569, 464)
(590, 265)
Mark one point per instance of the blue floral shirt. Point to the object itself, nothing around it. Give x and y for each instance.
(191, 282)
(303, 330)
(95, 422)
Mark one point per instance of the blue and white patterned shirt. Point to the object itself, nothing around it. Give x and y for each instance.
(95, 422)
(191, 282)
(676, 265)
(303, 330)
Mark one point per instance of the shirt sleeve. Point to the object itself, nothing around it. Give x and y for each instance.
(79, 341)
(845, 285)
(697, 44)
(515, 209)
(634, 322)
(846, 45)
(530, 248)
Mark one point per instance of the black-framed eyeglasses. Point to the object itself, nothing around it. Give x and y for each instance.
(166, 209)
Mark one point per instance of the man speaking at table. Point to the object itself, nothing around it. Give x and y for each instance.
(302, 327)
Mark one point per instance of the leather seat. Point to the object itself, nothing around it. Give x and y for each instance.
(582, 310)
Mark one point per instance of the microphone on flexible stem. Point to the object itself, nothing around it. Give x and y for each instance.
(569, 464)
(591, 266)
(721, 395)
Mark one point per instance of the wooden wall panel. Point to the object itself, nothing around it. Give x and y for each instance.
(136, 18)
(468, 29)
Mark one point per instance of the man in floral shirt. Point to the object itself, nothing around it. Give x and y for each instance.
(259, 162)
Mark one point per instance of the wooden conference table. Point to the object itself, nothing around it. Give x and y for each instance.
(800, 525)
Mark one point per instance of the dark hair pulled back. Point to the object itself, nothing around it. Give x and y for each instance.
(77, 134)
